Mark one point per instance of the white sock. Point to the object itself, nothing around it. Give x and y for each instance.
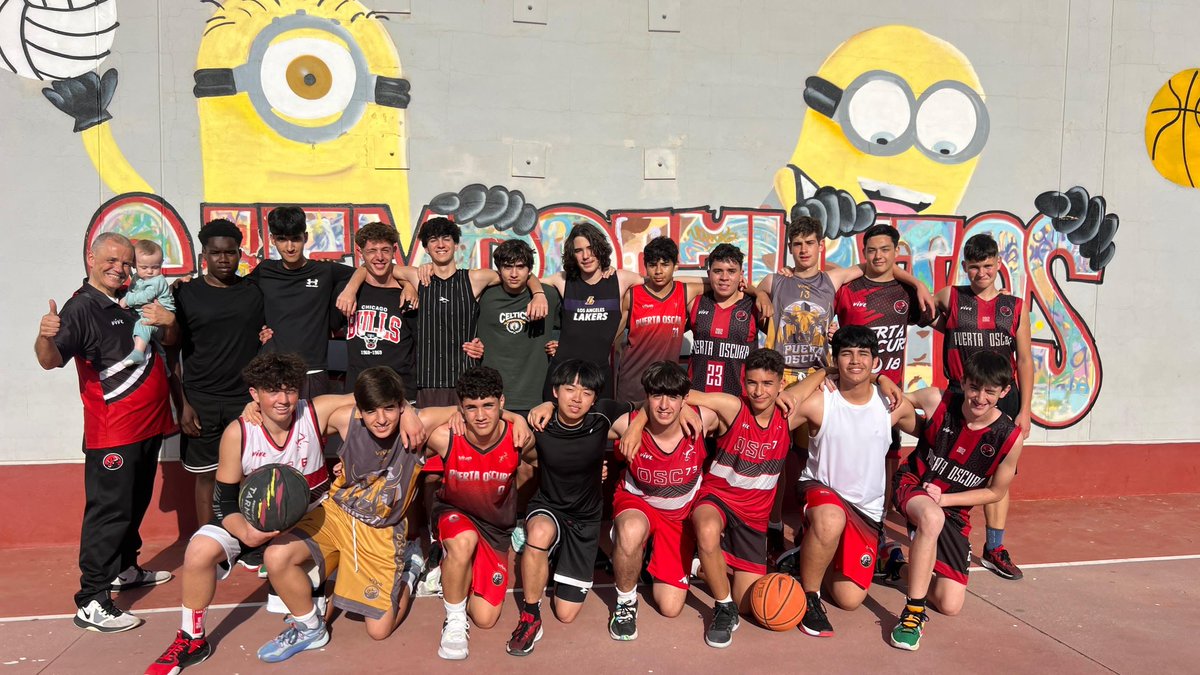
(310, 621)
(455, 608)
(193, 622)
(627, 597)
(727, 599)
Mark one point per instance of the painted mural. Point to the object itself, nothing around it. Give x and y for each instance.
(304, 102)
(1173, 109)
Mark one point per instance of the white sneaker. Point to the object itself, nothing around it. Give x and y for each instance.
(135, 577)
(414, 565)
(455, 634)
(103, 616)
(431, 585)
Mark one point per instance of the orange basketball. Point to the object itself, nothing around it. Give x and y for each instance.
(778, 602)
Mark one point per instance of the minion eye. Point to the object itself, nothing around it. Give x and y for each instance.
(952, 123)
(308, 78)
(879, 113)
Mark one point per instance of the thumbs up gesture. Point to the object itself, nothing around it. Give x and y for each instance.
(50, 322)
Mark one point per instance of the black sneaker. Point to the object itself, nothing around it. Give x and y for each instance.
(815, 622)
(788, 562)
(775, 541)
(622, 625)
(725, 622)
(528, 631)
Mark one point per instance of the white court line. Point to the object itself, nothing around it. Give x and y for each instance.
(1032, 566)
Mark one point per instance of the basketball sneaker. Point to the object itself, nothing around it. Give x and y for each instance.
(102, 616)
(135, 577)
(890, 564)
(292, 641)
(788, 562)
(725, 621)
(414, 565)
(430, 585)
(907, 633)
(528, 632)
(184, 651)
(998, 561)
(815, 622)
(622, 625)
(456, 633)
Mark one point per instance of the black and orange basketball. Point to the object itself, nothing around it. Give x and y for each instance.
(274, 497)
(777, 601)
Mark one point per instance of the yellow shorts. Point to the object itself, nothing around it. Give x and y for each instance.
(369, 560)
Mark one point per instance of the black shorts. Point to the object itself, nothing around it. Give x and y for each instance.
(573, 551)
(1009, 405)
(953, 544)
(199, 454)
(745, 547)
(315, 384)
(432, 397)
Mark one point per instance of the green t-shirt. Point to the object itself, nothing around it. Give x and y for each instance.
(514, 346)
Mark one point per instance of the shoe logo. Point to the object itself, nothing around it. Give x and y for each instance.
(112, 461)
(497, 578)
(865, 560)
(311, 283)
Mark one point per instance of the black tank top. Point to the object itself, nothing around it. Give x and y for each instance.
(722, 338)
(590, 316)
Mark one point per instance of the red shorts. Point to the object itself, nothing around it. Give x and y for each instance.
(673, 541)
(744, 546)
(855, 557)
(489, 578)
(953, 544)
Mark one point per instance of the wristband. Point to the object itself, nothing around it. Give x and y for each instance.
(539, 292)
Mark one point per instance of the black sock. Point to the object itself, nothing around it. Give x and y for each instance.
(534, 608)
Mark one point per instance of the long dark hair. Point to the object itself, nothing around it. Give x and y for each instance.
(600, 248)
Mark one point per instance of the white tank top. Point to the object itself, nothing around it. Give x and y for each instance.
(848, 453)
(303, 450)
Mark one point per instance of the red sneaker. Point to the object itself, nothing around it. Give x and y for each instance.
(998, 561)
(184, 651)
(529, 631)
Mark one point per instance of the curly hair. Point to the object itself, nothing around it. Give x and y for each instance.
(478, 383)
(274, 372)
(600, 248)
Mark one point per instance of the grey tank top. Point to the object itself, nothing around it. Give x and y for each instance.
(799, 328)
(377, 480)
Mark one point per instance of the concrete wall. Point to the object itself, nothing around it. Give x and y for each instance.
(595, 100)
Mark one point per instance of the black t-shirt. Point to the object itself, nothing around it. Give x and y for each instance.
(298, 303)
(570, 460)
(380, 334)
(219, 327)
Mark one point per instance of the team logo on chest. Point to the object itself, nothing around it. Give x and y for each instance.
(900, 306)
(513, 322)
(987, 450)
(1005, 311)
(741, 315)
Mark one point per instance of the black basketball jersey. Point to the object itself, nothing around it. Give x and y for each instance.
(381, 334)
(957, 458)
(447, 317)
(590, 316)
(570, 460)
(975, 325)
(721, 340)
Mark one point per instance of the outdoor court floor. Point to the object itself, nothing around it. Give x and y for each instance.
(1110, 586)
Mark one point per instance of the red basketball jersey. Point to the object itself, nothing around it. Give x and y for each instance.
(656, 327)
(722, 338)
(975, 325)
(749, 460)
(885, 307)
(667, 481)
(482, 482)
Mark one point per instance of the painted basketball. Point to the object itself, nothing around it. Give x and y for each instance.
(274, 497)
(1171, 115)
(777, 601)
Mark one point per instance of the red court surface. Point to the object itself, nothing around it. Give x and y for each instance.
(1109, 587)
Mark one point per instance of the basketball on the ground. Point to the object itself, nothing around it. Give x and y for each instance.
(274, 497)
(777, 601)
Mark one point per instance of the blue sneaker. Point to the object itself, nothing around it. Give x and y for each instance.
(293, 641)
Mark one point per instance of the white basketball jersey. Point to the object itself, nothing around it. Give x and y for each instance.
(304, 449)
(849, 452)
